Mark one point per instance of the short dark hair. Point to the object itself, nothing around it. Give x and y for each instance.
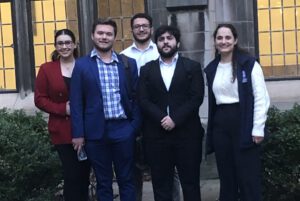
(141, 15)
(107, 21)
(167, 29)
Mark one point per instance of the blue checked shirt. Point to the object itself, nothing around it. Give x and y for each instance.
(109, 81)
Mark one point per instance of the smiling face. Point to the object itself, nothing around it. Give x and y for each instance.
(103, 37)
(65, 46)
(141, 30)
(225, 41)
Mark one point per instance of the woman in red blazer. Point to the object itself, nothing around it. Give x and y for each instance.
(52, 88)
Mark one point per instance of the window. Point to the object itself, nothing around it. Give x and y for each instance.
(279, 37)
(49, 16)
(121, 11)
(7, 57)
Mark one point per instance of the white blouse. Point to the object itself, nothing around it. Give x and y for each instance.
(226, 92)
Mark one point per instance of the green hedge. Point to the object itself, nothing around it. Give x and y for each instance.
(281, 155)
(29, 167)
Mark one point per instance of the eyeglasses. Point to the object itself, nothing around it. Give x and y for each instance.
(68, 43)
(139, 26)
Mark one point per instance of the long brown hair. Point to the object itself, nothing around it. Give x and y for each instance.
(236, 48)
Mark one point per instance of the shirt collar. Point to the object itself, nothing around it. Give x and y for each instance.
(174, 60)
(114, 56)
(150, 46)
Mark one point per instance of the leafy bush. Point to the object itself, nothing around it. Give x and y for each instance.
(281, 155)
(29, 168)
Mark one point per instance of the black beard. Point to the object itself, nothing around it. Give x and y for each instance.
(142, 40)
(167, 54)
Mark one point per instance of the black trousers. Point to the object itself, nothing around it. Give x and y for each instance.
(163, 156)
(239, 169)
(76, 174)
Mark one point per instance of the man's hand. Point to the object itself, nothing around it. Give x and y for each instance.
(78, 143)
(167, 123)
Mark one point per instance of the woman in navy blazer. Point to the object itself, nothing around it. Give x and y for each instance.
(52, 88)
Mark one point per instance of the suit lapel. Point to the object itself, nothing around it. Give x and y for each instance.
(157, 75)
(94, 70)
(177, 72)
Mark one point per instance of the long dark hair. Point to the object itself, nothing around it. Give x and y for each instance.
(55, 55)
(236, 48)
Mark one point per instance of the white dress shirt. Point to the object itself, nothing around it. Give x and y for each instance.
(226, 92)
(142, 56)
(167, 70)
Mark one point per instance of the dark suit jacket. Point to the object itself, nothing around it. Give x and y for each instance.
(183, 98)
(87, 113)
(50, 95)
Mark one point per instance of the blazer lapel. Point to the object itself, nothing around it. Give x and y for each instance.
(177, 72)
(94, 70)
(157, 75)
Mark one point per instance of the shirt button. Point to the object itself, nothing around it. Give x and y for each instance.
(67, 118)
(60, 94)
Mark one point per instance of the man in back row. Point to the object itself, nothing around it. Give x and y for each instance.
(144, 50)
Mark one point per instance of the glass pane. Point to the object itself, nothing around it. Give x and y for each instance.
(263, 22)
(278, 60)
(277, 43)
(48, 10)
(276, 19)
(10, 76)
(1, 59)
(37, 13)
(298, 41)
(39, 55)
(275, 3)
(61, 25)
(115, 8)
(288, 3)
(264, 43)
(6, 13)
(7, 35)
(298, 17)
(49, 32)
(138, 6)
(290, 42)
(265, 60)
(126, 29)
(49, 50)
(297, 2)
(103, 9)
(9, 61)
(126, 7)
(263, 3)
(60, 13)
(289, 18)
(291, 59)
(2, 86)
(38, 37)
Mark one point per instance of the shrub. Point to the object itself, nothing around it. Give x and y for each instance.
(29, 168)
(281, 155)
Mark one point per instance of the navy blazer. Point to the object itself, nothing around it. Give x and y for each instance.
(86, 104)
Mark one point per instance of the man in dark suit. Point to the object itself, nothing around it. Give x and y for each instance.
(104, 113)
(171, 89)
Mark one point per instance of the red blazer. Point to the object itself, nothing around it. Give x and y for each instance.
(51, 95)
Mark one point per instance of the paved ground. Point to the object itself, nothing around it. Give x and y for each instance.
(209, 190)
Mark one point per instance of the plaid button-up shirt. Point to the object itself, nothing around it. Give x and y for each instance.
(109, 80)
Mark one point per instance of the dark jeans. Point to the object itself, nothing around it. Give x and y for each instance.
(76, 174)
(239, 169)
